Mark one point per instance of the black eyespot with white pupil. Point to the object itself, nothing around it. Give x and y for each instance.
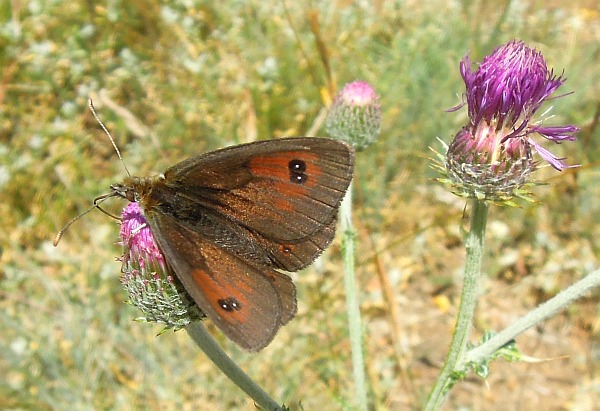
(297, 171)
(229, 304)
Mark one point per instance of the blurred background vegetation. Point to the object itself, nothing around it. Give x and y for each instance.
(174, 79)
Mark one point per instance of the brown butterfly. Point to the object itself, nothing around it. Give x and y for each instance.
(228, 220)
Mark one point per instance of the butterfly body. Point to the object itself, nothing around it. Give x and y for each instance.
(227, 220)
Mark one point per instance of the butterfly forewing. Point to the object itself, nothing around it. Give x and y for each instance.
(282, 189)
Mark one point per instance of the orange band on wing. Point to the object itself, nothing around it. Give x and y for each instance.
(228, 300)
(277, 166)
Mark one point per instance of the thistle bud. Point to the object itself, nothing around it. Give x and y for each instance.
(355, 116)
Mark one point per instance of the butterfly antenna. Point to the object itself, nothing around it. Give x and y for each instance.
(97, 203)
(93, 110)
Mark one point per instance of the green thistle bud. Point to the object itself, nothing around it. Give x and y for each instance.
(355, 116)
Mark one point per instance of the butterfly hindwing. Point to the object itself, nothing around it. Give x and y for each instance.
(248, 303)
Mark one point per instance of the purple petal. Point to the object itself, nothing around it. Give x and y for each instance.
(557, 133)
(554, 161)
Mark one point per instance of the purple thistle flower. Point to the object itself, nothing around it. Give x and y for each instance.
(491, 157)
(147, 278)
(506, 91)
(138, 241)
(355, 115)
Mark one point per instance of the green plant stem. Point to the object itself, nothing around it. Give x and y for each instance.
(541, 313)
(354, 322)
(215, 353)
(468, 301)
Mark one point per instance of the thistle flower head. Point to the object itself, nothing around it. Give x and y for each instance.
(483, 168)
(355, 116)
(147, 278)
(492, 156)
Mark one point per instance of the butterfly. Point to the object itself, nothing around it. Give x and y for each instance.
(228, 222)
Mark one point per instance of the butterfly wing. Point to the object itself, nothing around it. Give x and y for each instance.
(224, 220)
(247, 302)
(284, 192)
(293, 255)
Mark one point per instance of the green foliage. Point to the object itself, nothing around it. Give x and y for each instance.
(508, 352)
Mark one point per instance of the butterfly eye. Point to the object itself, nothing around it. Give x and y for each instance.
(297, 169)
(229, 304)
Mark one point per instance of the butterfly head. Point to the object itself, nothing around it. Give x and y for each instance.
(132, 188)
(123, 190)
